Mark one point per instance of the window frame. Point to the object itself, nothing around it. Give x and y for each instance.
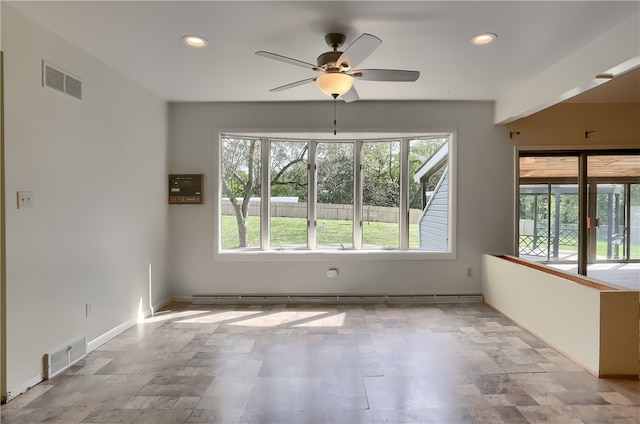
(403, 252)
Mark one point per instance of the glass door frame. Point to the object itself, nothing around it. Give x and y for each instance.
(587, 200)
(594, 221)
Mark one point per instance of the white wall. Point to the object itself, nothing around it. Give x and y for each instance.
(596, 327)
(97, 169)
(484, 198)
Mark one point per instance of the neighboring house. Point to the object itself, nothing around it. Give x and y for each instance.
(433, 224)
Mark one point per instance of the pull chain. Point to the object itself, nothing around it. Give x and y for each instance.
(335, 96)
(334, 116)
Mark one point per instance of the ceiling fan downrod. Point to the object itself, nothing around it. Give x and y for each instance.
(328, 60)
(334, 40)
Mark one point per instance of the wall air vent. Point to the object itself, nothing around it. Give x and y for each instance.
(61, 359)
(61, 81)
(73, 87)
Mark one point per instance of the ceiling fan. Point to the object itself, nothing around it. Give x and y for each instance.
(336, 68)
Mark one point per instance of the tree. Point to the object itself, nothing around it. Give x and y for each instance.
(289, 169)
(381, 166)
(335, 173)
(241, 177)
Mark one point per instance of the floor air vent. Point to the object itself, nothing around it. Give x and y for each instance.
(61, 359)
(61, 81)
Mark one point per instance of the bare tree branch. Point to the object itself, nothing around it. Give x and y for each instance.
(284, 169)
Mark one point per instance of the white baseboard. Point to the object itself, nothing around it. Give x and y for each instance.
(91, 345)
(94, 344)
(162, 304)
(100, 340)
(22, 388)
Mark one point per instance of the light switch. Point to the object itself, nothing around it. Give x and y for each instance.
(25, 199)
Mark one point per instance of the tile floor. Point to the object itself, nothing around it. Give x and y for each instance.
(460, 363)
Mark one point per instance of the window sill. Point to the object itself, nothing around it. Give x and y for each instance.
(330, 255)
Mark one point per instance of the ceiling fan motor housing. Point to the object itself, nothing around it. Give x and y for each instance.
(328, 59)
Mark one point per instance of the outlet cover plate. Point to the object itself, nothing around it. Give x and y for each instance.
(25, 199)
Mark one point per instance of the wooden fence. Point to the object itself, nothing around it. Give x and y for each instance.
(326, 211)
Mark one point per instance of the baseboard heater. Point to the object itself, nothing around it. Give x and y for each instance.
(207, 299)
(61, 359)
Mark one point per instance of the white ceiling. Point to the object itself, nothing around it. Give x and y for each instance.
(142, 40)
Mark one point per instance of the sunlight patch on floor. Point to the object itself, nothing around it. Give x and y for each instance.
(336, 320)
(219, 317)
(279, 318)
(168, 315)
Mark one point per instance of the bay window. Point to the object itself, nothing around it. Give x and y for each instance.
(296, 194)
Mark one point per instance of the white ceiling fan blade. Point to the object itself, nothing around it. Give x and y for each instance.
(359, 50)
(351, 95)
(386, 75)
(286, 59)
(294, 84)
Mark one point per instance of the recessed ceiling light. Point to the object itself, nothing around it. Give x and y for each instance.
(194, 41)
(484, 38)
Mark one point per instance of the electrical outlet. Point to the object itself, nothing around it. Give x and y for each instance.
(469, 272)
(88, 308)
(25, 199)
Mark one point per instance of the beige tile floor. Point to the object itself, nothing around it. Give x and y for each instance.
(327, 364)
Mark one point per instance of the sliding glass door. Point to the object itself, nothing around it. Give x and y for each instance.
(549, 207)
(613, 207)
(608, 235)
(614, 232)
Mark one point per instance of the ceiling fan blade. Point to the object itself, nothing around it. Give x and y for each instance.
(286, 59)
(351, 95)
(359, 50)
(294, 84)
(386, 75)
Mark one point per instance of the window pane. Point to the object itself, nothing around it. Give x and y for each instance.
(613, 166)
(335, 195)
(534, 222)
(381, 195)
(289, 161)
(429, 194)
(610, 231)
(548, 166)
(564, 223)
(548, 225)
(240, 205)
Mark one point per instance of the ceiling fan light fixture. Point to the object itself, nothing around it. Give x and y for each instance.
(483, 39)
(194, 41)
(335, 83)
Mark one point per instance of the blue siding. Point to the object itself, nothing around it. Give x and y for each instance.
(434, 227)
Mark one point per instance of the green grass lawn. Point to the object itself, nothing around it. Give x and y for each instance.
(292, 233)
(601, 250)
